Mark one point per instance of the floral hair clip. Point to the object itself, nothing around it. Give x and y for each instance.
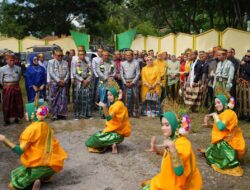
(185, 124)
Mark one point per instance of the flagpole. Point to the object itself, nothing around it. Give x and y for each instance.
(89, 40)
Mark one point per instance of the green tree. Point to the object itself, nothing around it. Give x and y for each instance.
(191, 15)
(42, 17)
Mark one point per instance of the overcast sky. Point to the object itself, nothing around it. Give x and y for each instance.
(10, 1)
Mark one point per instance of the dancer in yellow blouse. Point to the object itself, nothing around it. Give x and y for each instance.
(117, 124)
(178, 169)
(228, 144)
(40, 153)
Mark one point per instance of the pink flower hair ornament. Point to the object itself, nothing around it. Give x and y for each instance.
(42, 112)
(231, 103)
(185, 125)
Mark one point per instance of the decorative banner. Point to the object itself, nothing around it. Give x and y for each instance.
(125, 39)
(80, 39)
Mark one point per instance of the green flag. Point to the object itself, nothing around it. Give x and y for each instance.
(125, 39)
(80, 39)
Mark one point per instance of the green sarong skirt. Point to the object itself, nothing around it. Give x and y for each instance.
(222, 155)
(23, 177)
(147, 187)
(102, 140)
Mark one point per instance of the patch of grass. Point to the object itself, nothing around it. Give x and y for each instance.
(23, 89)
(196, 122)
(195, 127)
(246, 134)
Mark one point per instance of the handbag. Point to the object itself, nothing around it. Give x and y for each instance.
(152, 96)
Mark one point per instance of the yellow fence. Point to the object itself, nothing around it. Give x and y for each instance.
(24, 45)
(174, 44)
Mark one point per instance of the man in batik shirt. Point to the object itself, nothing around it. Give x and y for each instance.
(130, 74)
(105, 70)
(59, 77)
(82, 75)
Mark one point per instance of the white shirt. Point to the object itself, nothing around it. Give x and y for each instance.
(192, 73)
(96, 61)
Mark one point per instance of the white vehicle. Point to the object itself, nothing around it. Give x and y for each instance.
(91, 55)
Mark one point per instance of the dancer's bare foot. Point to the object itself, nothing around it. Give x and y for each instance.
(36, 185)
(47, 179)
(114, 149)
(11, 186)
(201, 152)
(152, 145)
(94, 150)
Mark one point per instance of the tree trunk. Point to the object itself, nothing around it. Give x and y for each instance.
(161, 7)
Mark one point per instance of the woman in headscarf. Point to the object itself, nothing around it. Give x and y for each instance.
(151, 88)
(35, 79)
(178, 169)
(117, 124)
(40, 153)
(228, 144)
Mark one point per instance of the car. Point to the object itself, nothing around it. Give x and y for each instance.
(91, 55)
(45, 48)
(3, 51)
(47, 51)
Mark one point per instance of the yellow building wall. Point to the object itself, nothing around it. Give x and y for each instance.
(27, 42)
(9, 43)
(183, 41)
(207, 40)
(138, 43)
(66, 43)
(152, 43)
(239, 40)
(167, 43)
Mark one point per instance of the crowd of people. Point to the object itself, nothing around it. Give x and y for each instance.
(146, 79)
(131, 84)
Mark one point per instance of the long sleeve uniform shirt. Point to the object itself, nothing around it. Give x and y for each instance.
(10, 74)
(130, 71)
(225, 70)
(44, 64)
(105, 70)
(74, 61)
(81, 71)
(58, 71)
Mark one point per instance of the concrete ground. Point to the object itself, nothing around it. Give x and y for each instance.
(124, 171)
